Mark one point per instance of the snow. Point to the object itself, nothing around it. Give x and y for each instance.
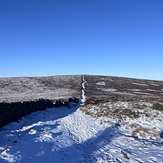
(141, 84)
(67, 135)
(136, 90)
(108, 89)
(152, 90)
(142, 93)
(124, 93)
(100, 83)
(153, 84)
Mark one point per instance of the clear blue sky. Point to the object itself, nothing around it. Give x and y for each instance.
(104, 37)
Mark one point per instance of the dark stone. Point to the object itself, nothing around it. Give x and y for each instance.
(10, 112)
(161, 134)
(58, 103)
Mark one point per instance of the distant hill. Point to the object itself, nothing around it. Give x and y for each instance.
(34, 88)
(97, 88)
(107, 88)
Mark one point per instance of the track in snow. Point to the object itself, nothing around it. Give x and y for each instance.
(64, 135)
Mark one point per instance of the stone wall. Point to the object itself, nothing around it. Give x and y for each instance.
(10, 112)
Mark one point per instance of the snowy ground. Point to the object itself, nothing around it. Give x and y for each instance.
(68, 135)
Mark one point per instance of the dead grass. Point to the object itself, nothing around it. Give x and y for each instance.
(140, 131)
(113, 110)
(139, 106)
(127, 112)
(157, 106)
(125, 155)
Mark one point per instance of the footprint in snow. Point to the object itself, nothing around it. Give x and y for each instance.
(139, 160)
(153, 159)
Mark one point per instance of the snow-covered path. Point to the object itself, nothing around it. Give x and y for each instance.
(64, 135)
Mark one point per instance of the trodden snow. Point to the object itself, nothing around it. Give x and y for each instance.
(67, 135)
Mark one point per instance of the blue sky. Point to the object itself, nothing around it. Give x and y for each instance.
(104, 37)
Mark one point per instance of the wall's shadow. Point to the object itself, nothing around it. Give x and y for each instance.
(75, 153)
(11, 112)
